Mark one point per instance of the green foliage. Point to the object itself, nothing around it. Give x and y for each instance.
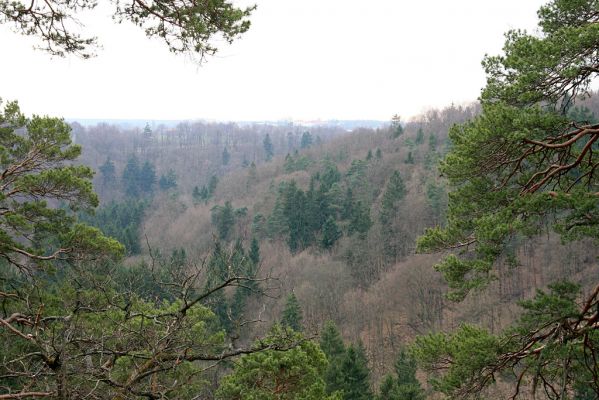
(396, 127)
(147, 178)
(356, 376)
(295, 374)
(395, 191)
(330, 233)
(332, 345)
(297, 162)
(223, 218)
(131, 175)
(138, 180)
(436, 199)
(292, 314)
(184, 27)
(545, 348)
(269, 149)
(108, 172)
(226, 156)
(407, 386)
(121, 221)
(168, 181)
(37, 173)
(212, 184)
(515, 165)
(432, 142)
(378, 154)
(306, 140)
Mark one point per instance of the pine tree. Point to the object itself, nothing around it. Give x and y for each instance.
(330, 233)
(292, 314)
(356, 376)
(226, 156)
(268, 148)
(168, 181)
(378, 154)
(131, 175)
(396, 126)
(147, 178)
(407, 386)
(212, 185)
(360, 221)
(388, 388)
(432, 142)
(217, 272)
(108, 172)
(223, 218)
(369, 155)
(332, 345)
(410, 159)
(254, 254)
(306, 140)
(395, 191)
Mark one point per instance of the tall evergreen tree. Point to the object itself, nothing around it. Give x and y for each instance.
(212, 185)
(254, 254)
(332, 345)
(330, 233)
(226, 157)
(306, 140)
(407, 386)
(223, 218)
(396, 126)
(168, 181)
(131, 177)
(356, 376)
(395, 191)
(147, 178)
(108, 172)
(292, 314)
(269, 150)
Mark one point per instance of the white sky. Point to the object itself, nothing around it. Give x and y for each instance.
(301, 59)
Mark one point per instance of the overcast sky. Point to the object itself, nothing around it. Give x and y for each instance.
(301, 59)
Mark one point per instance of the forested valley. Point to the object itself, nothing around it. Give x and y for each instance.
(449, 255)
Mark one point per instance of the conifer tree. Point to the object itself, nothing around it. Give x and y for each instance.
(356, 376)
(212, 185)
(147, 178)
(131, 175)
(396, 126)
(407, 386)
(387, 388)
(330, 233)
(394, 192)
(168, 181)
(268, 148)
(292, 314)
(254, 254)
(226, 156)
(306, 140)
(108, 172)
(332, 345)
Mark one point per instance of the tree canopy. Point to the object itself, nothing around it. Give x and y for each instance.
(35, 156)
(184, 25)
(523, 165)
